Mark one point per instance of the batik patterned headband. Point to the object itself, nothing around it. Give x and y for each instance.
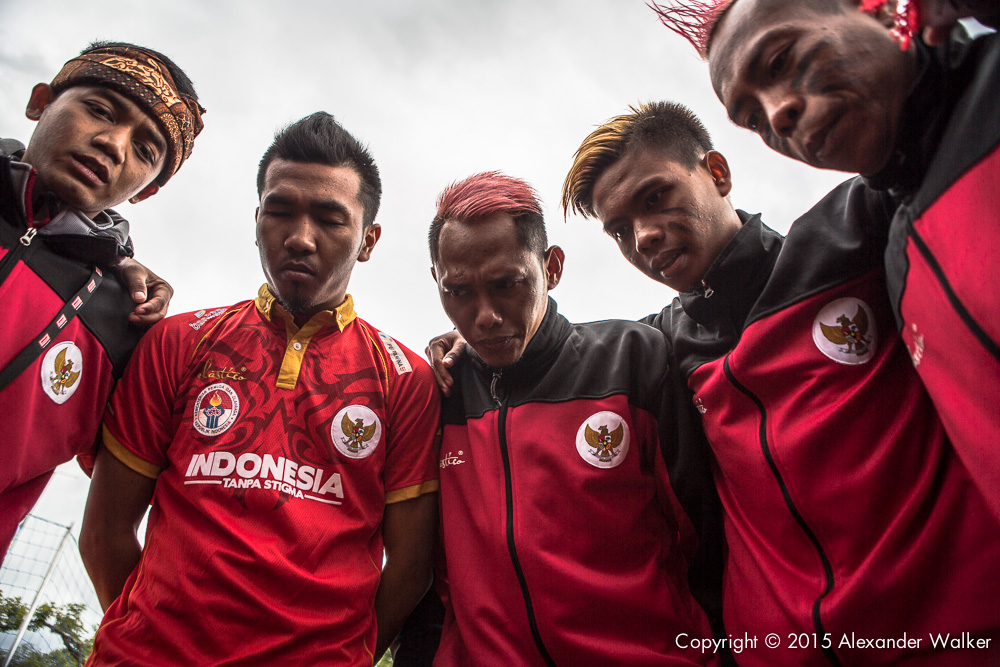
(143, 78)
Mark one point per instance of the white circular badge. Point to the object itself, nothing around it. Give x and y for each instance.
(356, 431)
(845, 331)
(216, 409)
(603, 439)
(62, 367)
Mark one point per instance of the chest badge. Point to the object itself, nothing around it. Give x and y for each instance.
(603, 440)
(845, 331)
(216, 409)
(62, 367)
(356, 431)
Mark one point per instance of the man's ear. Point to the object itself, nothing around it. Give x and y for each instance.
(145, 193)
(434, 274)
(554, 258)
(716, 164)
(41, 96)
(370, 237)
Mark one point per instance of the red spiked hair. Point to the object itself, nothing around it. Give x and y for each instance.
(694, 20)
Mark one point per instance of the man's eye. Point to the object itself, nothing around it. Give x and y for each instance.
(752, 121)
(777, 63)
(99, 110)
(146, 153)
(456, 293)
(653, 198)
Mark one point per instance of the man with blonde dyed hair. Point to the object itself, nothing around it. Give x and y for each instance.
(811, 406)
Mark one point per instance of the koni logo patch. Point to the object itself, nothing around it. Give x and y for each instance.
(216, 409)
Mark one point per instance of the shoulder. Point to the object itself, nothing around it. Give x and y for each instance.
(401, 362)
(606, 334)
(191, 327)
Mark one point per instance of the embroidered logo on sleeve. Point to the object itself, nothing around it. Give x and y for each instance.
(399, 359)
(845, 331)
(62, 367)
(603, 439)
(356, 431)
(216, 409)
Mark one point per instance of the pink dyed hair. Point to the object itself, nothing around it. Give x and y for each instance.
(486, 194)
(694, 20)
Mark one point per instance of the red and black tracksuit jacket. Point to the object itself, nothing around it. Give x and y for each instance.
(943, 257)
(554, 557)
(40, 281)
(848, 515)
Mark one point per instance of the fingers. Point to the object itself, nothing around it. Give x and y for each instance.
(134, 275)
(440, 363)
(153, 310)
(443, 352)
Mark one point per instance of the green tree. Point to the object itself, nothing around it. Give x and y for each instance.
(61, 620)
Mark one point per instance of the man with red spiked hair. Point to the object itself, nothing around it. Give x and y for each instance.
(574, 525)
(825, 84)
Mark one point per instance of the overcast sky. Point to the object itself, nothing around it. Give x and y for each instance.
(438, 89)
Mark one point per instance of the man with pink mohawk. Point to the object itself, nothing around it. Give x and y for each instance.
(576, 529)
(825, 84)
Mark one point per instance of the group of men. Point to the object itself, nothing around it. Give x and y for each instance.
(800, 446)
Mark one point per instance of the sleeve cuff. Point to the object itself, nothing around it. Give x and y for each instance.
(120, 452)
(409, 492)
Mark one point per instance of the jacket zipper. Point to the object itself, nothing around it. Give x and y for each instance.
(14, 254)
(511, 547)
(827, 568)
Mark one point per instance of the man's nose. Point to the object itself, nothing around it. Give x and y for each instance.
(784, 109)
(487, 314)
(648, 235)
(113, 142)
(301, 235)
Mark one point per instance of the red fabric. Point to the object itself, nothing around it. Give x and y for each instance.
(40, 434)
(603, 551)
(261, 576)
(867, 465)
(962, 233)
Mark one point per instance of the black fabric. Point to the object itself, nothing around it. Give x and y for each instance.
(554, 369)
(421, 633)
(106, 314)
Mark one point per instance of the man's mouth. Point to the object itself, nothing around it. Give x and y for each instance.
(91, 169)
(665, 260)
(297, 270)
(816, 142)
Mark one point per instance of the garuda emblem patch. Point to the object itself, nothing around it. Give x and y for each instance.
(845, 331)
(603, 440)
(356, 431)
(61, 370)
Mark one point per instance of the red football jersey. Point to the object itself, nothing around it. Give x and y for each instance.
(275, 450)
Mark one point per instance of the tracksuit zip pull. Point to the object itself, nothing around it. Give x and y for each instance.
(28, 235)
(493, 388)
(707, 290)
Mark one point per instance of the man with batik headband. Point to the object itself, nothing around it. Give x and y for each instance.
(114, 125)
(825, 84)
(289, 444)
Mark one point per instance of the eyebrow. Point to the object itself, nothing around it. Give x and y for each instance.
(125, 106)
(331, 205)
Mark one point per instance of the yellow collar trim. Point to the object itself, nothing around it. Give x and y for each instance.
(269, 307)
